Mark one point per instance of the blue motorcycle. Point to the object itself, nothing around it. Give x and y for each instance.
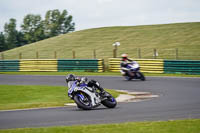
(87, 96)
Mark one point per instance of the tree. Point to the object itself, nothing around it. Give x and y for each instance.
(10, 34)
(32, 28)
(2, 42)
(57, 23)
(67, 25)
(35, 29)
(20, 39)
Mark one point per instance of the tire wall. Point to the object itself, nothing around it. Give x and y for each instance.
(52, 65)
(161, 66)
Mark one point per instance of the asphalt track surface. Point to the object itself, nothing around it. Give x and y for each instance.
(179, 98)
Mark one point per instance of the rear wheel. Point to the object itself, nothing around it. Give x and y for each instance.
(127, 78)
(83, 101)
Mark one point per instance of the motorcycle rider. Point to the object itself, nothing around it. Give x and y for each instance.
(124, 62)
(83, 80)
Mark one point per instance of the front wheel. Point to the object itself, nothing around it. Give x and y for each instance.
(142, 77)
(110, 101)
(83, 102)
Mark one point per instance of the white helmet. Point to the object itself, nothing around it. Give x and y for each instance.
(124, 55)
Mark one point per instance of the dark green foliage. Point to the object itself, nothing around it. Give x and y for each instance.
(20, 39)
(10, 33)
(2, 42)
(57, 23)
(33, 28)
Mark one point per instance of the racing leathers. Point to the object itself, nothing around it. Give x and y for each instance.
(124, 70)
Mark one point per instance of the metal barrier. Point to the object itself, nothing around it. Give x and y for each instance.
(52, 65)
(81, 65)
(161, 66)
(9, 65)
(182, 66)
(97, 65)
(146, 65)
(37, 65)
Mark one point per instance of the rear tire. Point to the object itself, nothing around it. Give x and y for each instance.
(81, 104)
(128, 78)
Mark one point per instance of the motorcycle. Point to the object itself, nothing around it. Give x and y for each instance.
(87, 96)
(132, 71)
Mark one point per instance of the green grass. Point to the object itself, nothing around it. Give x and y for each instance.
(178, 126)
(93, 74)
(165, 38)
(20, 96)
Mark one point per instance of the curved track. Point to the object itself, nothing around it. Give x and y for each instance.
(179, 99)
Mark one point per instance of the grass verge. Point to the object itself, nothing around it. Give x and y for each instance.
(28, 96)
(93, 74)
(178, 126)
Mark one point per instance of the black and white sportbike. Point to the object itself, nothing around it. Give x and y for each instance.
(88, 95)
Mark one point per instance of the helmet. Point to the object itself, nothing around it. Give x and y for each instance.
(124, 57)
(70, 77)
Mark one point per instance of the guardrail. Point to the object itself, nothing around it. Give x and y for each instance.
(37, 65)
(91, 65)
(97, 65)
(182, 66)
(161, 66)
(146, 65)
(9, 65)
(52, 65)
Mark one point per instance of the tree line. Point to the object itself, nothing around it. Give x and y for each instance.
(34, 28)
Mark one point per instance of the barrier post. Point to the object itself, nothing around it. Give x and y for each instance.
(154, 53)
(2, 56)
(55, 55)
(20, 55)
(74, 54)
(104, 68)
(116, 44)
(37, 55)
(94, 53)
(114, 53)
(139, 53)
(176, 53)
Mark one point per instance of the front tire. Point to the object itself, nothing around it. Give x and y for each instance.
(85, 105)
(142, 77)
(110, 102)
